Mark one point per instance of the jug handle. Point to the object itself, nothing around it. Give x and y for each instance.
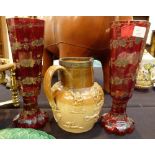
(48, 89)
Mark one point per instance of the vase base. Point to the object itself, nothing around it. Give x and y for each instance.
(119, 124)
(31, 119)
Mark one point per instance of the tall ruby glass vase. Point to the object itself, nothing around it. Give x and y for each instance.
(26, 39)
(127, 43)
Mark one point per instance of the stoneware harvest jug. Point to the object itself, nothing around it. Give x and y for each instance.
(76, 100)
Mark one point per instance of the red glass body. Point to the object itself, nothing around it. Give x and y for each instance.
(26, 39)
(127, 43)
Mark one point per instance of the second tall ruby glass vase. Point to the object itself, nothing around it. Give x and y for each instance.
(26, 39)
(127, 44)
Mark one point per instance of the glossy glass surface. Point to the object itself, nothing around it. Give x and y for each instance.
(127, 43)
(26, 39)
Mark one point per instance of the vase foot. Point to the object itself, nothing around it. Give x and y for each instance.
(119, 124)
(31, 119)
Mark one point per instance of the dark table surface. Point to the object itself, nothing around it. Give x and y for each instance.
(141, 107)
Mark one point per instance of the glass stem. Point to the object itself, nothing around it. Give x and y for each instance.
(30, 103)
(119, 106)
